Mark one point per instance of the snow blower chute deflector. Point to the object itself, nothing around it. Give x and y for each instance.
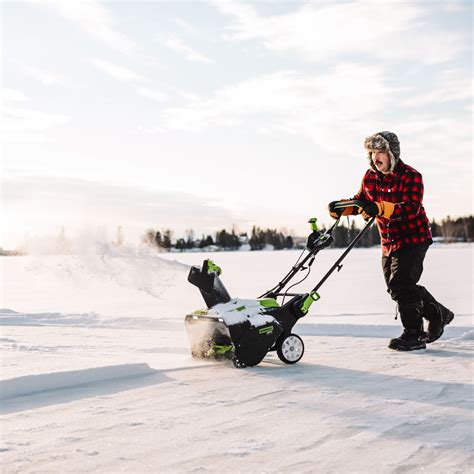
(245, 330)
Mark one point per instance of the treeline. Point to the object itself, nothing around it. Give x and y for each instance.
(457, 230)
(448, 230)
(344, 234)
(224, 239)
(260, 238)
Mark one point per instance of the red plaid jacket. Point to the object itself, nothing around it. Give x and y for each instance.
(408, 224)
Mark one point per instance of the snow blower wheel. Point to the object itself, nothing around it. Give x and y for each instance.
(290, 349)
(238, 364)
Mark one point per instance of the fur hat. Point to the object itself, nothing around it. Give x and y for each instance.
(383, 141)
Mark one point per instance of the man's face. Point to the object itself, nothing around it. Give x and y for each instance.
(381, 161)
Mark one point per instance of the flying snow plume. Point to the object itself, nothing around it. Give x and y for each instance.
(133, 266)
(92, 255)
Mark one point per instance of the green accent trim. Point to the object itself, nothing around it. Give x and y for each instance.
(314, 225)
(240, 308)
(269, 303)
(221, 350)
(200, 312)
(308, 301)
(266, 330)
(212, 267)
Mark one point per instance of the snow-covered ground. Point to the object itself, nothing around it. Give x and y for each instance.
(97, 374)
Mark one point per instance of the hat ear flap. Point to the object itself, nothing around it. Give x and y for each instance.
(369, 157)
(393, 161)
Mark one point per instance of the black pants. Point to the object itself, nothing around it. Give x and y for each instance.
(402, 270)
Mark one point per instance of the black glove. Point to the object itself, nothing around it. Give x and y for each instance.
(382, 208)
(371, 209)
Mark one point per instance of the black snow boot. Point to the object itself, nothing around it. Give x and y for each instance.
(412, 338)
(436, 326)
(438, 316)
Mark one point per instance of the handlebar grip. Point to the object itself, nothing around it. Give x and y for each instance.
(351, 203)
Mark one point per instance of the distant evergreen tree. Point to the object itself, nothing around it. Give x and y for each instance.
(221, 238)
(234, 241)
(167, 235)
(181, 244)
(189, 238)
(227, 240)
(274, 238)
(256, 241)
(288, 242)
(435, 231)
(158, 239)
(205, 242)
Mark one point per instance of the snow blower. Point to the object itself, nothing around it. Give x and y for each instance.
(244, 331)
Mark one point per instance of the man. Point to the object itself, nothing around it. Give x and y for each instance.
(393, 192)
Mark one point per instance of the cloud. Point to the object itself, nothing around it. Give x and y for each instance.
(323, 32)
(75, 203)
(452, 85)
(12, 95)
(152, 94)
(94, 18)
(183, 24)
(117, 72)
(440, 146)
(318, 106)
(176, 44)
(25, 125)
(150, 130)
(454, 6)
(436, 140)
(45, 77)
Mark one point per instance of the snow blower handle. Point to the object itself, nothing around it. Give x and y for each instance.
(343, 207)
(355, 202)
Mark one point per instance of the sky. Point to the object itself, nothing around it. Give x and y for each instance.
(207, 115)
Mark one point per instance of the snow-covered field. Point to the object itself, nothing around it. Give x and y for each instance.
(97, 374)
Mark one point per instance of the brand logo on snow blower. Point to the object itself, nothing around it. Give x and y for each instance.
(266, 330)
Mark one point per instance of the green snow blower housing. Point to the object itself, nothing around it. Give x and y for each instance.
(244, 331)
